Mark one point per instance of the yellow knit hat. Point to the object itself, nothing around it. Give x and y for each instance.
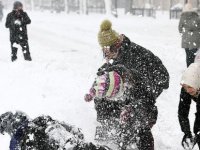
(106, 35)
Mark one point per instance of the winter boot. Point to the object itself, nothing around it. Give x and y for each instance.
(27, 57)
(13, 58)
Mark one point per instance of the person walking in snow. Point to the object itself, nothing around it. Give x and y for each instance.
(1, 11)
(42, 133)
(190, 92)
(146, 77)
(17, 21)
(189, 27)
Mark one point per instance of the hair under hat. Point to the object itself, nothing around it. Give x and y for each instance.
(107, 36)
(17, 4)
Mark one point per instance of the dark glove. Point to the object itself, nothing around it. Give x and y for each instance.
(102, 69)
(197, 138)
(188, 141)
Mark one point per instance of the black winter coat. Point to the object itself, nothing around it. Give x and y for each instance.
(183, 112)
(150, 78)
(18, 33)
(134, 56)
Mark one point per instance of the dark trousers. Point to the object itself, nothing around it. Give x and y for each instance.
(25, 50)
(143, 139)
(190, 55)
(146, 141)
(197, 122)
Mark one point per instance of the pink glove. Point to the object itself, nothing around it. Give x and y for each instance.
(88, 97)
(125, 115)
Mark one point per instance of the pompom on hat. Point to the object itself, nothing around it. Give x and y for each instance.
(107, 36)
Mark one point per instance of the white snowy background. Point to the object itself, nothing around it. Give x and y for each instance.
(66, 56)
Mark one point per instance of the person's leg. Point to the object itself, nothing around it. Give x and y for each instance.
(197, 123)
(190, 55)
(146, 140)
(14, 52)
(25, 49)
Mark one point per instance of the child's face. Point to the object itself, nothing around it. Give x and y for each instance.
(192, 91)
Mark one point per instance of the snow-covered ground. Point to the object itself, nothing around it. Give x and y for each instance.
(66, 56)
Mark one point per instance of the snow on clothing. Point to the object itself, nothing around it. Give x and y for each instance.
(150, 78)
(134, 56)
(189, 27)
(42, 133)
(16, 21)
(140, 101)
(17, 30)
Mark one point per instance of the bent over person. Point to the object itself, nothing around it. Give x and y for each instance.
(190, 92)
(17, 21)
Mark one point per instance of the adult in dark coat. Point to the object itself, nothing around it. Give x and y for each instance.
(17, 21)
(1, 11)
(190, 92)
(189, 27)
(147, 77)
(42, 133)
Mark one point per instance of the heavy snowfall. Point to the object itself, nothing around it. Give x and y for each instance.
(66, 56)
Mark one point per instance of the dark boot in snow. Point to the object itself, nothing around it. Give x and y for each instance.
(27, 57)
(13, 58)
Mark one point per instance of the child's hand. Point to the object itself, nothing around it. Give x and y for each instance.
(124, 116)
(88, 97)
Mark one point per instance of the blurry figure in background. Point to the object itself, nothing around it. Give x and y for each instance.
(1, 11)
(42, 133)
(189, 27)
(190, 91)
(146, 78)
(16, 21)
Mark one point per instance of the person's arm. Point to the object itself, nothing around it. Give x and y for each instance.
(8, 21)
(180, 26)
(183, 111)
(25, 19)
